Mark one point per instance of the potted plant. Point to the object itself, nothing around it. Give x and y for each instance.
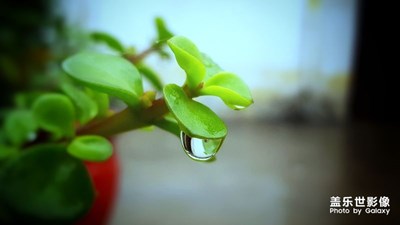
(45, 144)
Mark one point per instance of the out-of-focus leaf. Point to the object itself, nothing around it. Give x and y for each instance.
(110, 74)
(212, 68)
(55, 113)
(91, 148)
(102, 101)
(86, 108)
(189, 59)
(3, 136)
(151, 75)
(9, 68)
(194, 118)
(108, 39)
(162, 31)
(44, 185)
(7, 152)
(20, 126)
(24, 100)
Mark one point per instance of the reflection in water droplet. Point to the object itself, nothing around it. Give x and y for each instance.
(200, 149)
(237, 107)
(31, 136)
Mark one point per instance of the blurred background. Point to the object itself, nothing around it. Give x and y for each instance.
(324, 122)
(295, 55)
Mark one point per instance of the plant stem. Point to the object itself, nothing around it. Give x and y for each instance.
(135, 59)
(126, 120)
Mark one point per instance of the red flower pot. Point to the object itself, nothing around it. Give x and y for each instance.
(105, 176)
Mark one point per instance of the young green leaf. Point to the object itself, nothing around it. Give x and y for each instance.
(147, 98)
(212, 68)
(101, 100)
(162, 31)
(109, 40)
(55, 113)
(151, 76)
(189, 59)
(20, 126)
(230, 88)
(194, 118)
(44, 185)
(110, 74)
(90, 148)
(86, 107)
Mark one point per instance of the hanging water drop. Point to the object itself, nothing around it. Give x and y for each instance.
(200, 149)
(238, 107)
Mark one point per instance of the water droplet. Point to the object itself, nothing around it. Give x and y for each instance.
(31, 136)
(200, 149)
(236, 107)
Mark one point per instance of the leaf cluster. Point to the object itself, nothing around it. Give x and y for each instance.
(43, 143)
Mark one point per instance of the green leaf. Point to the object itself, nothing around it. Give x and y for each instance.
(194, 118)
(91, 148)
(101, 100)
(86, 107)
(189, 59)
(162, 31)
(110, 74)
(3, 135)
(147, 129)
(55, 113)
(44, 185)
(230, 88)
(151, 76)
(6, 152)
(108, 39)
(211, 67)
(20, 126)
(24, 100)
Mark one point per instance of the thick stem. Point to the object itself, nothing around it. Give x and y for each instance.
(126, 120)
